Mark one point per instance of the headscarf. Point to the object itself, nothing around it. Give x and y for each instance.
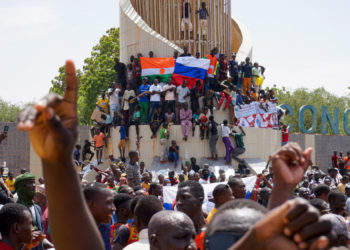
(25, 196)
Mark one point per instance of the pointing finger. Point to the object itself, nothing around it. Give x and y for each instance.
(70, 95)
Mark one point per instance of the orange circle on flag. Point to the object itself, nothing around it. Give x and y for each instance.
(162, 71)
(210, 71)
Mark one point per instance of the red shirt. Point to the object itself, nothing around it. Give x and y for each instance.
(4, 246)
(335, 161)
(285, 135)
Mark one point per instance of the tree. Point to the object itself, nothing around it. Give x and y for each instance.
(9, 112)
(317, 98)
(59, 82)
(97, 74)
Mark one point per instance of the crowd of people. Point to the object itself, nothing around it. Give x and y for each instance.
(134, 100)
(294, 205)
(141, 100)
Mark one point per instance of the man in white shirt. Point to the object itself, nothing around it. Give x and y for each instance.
(226, 139)
(169, 92)
(181, 93)
(155, 90)
(113, 94)
(146, 207)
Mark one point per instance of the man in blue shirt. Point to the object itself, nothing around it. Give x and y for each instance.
(144, 100)
(247, 75)
(233, 66)
(239, 98)
(77, 153)
(203, 13)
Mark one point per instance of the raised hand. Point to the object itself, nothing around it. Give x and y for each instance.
(52, 122)
(52, 127)
(289, 164)
(294, 225)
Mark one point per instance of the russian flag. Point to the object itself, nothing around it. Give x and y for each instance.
(190, 69)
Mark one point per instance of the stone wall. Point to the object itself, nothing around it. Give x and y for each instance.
(18, 153)
(15, 148)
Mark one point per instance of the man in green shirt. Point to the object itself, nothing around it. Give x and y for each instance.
(240, 148)
(164, 136)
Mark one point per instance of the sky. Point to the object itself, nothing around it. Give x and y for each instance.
(301, 43)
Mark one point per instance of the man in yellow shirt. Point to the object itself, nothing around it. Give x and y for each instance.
(146, 181)
(10, 182)
(342, 185)
(103, 102)
(222, 193)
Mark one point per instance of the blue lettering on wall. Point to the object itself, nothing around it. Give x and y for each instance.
(301, 119)
(346, 121)
(327, 118)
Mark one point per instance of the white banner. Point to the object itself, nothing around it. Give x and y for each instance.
(257, 115)
(169, 193)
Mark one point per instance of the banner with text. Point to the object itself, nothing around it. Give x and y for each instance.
(257, 115)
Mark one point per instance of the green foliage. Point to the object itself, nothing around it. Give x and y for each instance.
(317, 98)
(97, 74)
(9, 112)
(59, 82)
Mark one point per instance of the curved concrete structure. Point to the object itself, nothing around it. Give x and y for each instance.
(156, 25)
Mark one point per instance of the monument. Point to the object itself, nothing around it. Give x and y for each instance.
(165, 26)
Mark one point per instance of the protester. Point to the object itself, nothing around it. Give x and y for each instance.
(113, 94)
(120, 69)
(233, 69)
(221, 194)
(144, 100)
(100, 202)
(171, 230)
(225, 133)
(87, 151)
(194, 96)
(185, 119)
(214, 136)
(135, 120)
(16, 228)
(203, 14)
(285, 135)
(10, 182)
(164, 136)
(99, 143)
(240, 147)
(146, 207)
(133, 170)
(123, 213)
(127, 105)
(126, 233)
(169, 98)
(203, 123)
(247, 75)
(155, 91)
(173, 153)
(25, 189)
(182, 92)
(156, 122)
(189, 199)
(237, 186)
(103, 102)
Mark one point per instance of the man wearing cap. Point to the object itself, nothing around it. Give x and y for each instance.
(233, 68)
(25, 188)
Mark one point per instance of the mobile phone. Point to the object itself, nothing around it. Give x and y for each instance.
(6, 129)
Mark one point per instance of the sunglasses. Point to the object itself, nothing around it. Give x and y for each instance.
(221, 240)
